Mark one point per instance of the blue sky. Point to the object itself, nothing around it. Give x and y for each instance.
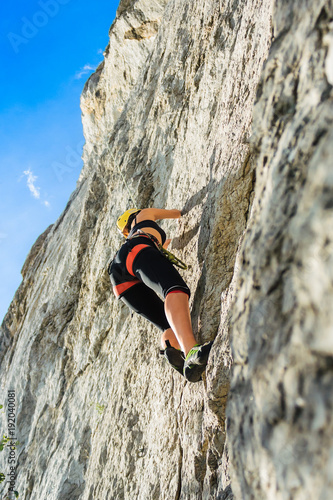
(48, 49)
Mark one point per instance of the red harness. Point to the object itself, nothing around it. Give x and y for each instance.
(122, 287)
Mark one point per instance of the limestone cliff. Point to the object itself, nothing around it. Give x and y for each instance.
(223, 109)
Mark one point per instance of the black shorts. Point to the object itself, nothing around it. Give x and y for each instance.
(157, 272)
(144, 301)
(157, 277)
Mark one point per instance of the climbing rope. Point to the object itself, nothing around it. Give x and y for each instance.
(170, 256)
(131, 197)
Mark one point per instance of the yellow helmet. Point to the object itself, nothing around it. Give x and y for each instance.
(123, 219)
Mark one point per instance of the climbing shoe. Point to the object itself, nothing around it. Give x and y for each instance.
(196, 361)
(174, 357)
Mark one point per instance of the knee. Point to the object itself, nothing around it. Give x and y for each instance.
(183, 291)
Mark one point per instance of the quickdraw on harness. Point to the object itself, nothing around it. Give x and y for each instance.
(170, 256)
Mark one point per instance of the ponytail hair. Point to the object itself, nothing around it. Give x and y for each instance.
(130, 220)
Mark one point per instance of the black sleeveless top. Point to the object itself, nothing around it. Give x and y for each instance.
(148, 223)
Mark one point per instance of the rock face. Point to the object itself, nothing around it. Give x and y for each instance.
(183, 113)
(132, 37)
(280, 405)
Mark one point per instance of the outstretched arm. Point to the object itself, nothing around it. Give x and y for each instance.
(158, 214)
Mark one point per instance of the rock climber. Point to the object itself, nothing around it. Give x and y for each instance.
(140, 273)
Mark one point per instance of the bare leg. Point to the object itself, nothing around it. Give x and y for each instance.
(171, 337)
(178, 313)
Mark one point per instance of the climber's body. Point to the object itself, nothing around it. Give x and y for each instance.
(150, 215)
(139, 272)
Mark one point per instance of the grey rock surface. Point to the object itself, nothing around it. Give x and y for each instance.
(132, 36)
(99, 414)
(280, 404)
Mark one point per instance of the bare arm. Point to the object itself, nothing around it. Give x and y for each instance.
(158, 214)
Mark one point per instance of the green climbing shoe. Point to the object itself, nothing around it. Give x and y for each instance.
(174, 357)
(196, 361)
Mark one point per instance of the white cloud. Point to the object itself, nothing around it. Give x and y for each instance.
(31, 179)
(34, 190)
(84, 71)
